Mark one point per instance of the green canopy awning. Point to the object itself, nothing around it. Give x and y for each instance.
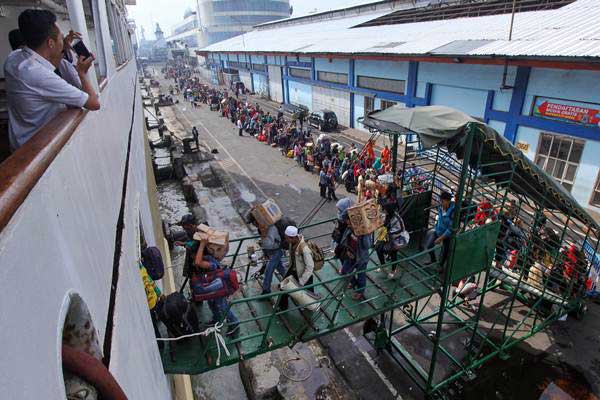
(445, 126)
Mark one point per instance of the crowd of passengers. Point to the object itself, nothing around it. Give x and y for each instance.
(368, 174)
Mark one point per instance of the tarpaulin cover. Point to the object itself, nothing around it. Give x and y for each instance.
(445, 126)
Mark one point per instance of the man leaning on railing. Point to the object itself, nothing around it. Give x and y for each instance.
(40, 82)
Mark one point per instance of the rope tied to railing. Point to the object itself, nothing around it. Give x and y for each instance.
(219, 339)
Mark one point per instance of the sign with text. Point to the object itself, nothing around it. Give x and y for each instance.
(567, 111)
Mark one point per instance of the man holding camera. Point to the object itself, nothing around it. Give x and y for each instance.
(39, 81)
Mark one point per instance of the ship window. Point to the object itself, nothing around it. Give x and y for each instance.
(94, 45)
(79, 335)
(118, 36)
(81, 347)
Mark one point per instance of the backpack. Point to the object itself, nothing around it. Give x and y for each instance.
(215, 284)
(283, 223)
(152, 260)
(317, 255)
(347, 248)
(178, 315)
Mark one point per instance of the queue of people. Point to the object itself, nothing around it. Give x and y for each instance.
(364, 173)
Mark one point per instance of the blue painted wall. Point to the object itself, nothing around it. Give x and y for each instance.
(359, 110)
(478, 77)
(381, 69)
(275, 60)
(336, 65)
(469, 101)
(257, 59)
(300, 93)
(587, 173)
(562, 84)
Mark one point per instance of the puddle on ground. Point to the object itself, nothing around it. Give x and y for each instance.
(526, 377)
(171, 201)
(246, 194)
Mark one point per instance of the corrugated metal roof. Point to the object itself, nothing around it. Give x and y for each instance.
(571, 31)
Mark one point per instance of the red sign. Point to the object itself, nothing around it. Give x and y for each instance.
(572, 113)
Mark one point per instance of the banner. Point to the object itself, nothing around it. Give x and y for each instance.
(563, 110)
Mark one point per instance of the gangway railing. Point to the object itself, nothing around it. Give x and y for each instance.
(427, 298)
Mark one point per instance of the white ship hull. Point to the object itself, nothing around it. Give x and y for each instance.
(61, 242)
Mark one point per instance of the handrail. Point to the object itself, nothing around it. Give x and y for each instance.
(21, 170)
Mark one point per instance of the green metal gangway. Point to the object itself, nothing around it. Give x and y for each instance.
(458, 334)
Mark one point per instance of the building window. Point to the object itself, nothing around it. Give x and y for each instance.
(369, 104)
(300, 73)
(381, 84)
(559, 156)
(259, 67)
(387, 104)
(595, 201)
(332, 77)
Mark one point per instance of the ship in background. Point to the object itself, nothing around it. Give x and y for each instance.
(76, 201)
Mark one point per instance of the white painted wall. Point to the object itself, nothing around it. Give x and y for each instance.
(334, 100)
(300, 93)
(246, 78)
(62, 239)
(275, 86)
(261, 86)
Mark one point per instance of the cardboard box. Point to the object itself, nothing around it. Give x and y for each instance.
(365, 217)
(267, 213)
(218, 241)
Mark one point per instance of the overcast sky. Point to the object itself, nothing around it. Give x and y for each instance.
(167, 13)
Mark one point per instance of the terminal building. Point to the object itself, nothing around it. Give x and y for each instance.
(212, 21)
(223, 19)
(534, 75)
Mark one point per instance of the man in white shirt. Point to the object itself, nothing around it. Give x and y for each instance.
(40, 83)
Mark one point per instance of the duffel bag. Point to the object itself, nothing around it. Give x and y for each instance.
(213, 285)
(304, 298)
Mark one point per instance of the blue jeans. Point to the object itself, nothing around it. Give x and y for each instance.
(430, 239)
(359, 280)
(218, 307)
(274, 262)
